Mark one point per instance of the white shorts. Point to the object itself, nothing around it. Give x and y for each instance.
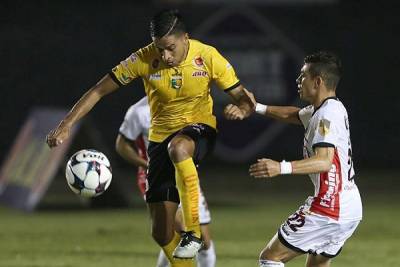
(204, 212)
(307, 232)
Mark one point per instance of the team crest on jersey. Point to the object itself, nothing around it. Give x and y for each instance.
(198, 61)
(155, 63)
(323, 127)
(199, 73)
(176, 80)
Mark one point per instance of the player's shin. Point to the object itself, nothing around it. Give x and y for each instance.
(168, 250)
(187, 182)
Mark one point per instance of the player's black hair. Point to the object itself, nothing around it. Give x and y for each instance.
(167, 22)
(327, 65)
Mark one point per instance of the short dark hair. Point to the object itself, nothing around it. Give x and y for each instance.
(167, 22)
(327, 65)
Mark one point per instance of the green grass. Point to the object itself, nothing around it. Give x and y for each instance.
(121, 238)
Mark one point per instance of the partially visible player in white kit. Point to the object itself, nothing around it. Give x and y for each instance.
(322, 225)
(131, 144)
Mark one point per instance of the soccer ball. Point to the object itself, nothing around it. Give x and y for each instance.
(88, 173)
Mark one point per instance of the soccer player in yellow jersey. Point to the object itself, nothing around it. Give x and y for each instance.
(177, 73)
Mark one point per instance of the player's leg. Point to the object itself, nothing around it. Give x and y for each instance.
(276, 253)
(317, 261)
(162, 199)
(190, 145)
(181, 149)
(163, 230)
(206, 256)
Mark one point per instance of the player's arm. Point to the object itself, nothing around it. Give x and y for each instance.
(244, 104)
(128, 151)
(287, 114)
(320, 162)
(105, 86)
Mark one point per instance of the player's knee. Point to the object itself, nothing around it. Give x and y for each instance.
(178, 149)
(267, 254)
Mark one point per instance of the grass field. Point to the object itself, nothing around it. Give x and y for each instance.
(104, 238)
(243, 221)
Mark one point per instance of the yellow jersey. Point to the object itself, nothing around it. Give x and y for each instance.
(178, 96)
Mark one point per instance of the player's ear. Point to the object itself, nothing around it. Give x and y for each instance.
(186, 37)
(318, 81)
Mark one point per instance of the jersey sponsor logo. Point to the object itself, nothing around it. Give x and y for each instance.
(155, 63)
(201, 73)
(323, 127)
(327, 202)
(133, 58)
(125, 63)
(155, 76)
(198, 61)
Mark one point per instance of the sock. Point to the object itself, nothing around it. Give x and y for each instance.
(207, 257)
(268, 263)
(187, 182)
(168, 249)
(162, 260)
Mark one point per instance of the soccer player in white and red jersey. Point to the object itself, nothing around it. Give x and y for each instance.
(322, 225)
(131, 144)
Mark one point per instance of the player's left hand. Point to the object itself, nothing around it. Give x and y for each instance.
(233, 112)
(265, 168)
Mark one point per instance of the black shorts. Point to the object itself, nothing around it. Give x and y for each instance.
(161, 171)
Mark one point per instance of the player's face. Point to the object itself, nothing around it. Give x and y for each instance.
(306, 84)
(173, 48)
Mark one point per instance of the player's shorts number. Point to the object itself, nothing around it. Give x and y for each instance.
(296, 220)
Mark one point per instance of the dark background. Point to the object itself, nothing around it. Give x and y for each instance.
(52, 51)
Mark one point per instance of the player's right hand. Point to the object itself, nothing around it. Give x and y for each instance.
(233, 112)
(57, 136)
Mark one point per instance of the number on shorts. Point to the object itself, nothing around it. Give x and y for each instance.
(296, 220)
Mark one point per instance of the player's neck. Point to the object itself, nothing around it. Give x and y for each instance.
(186, 52)
(321, 98)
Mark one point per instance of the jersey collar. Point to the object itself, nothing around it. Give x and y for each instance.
(323, 102)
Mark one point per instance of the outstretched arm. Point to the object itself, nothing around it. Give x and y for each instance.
(320, 162)
(244, 104)
(105, 86)
(287, 114)
(126, 149)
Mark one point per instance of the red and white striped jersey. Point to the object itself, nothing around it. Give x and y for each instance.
(336, 194)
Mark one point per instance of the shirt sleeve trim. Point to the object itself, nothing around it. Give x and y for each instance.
(323, 144)
(126, 138)
(232, 87)
(114, 78)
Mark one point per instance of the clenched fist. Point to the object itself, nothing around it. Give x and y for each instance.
(58, 135)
